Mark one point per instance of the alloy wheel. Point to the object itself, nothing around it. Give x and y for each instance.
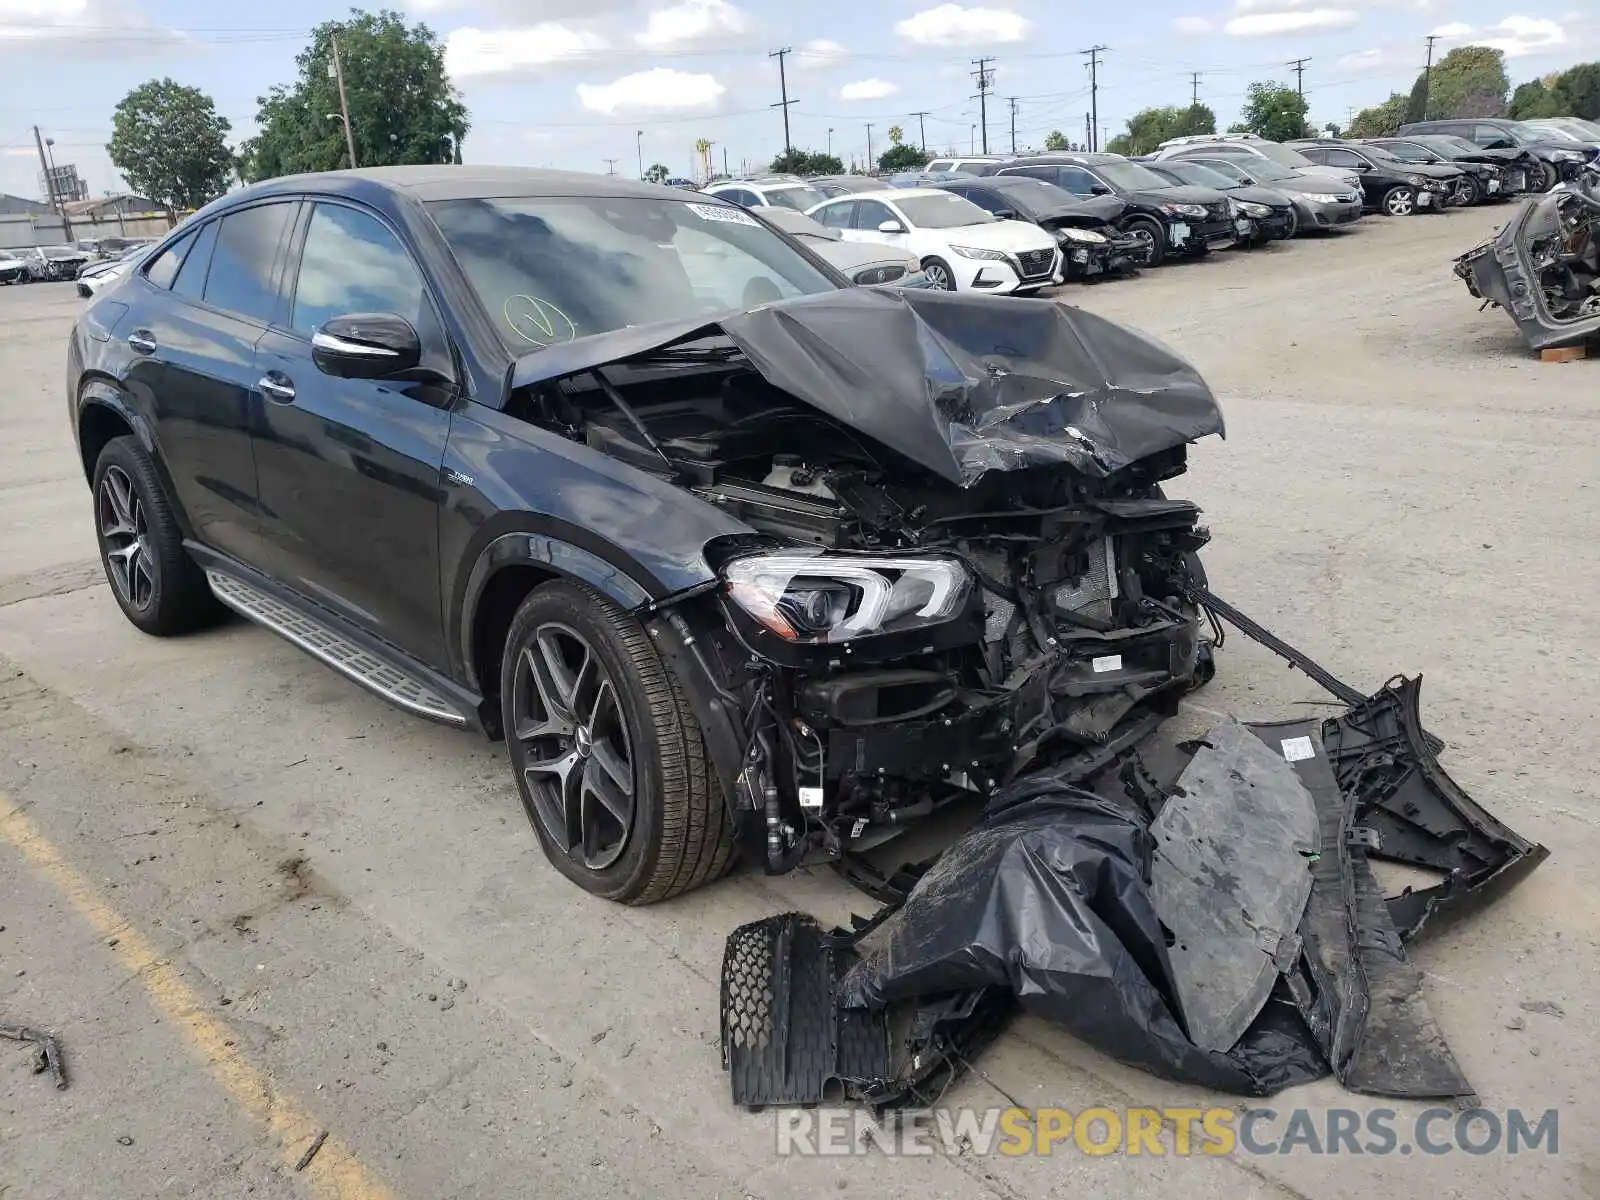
(1399, 203)
(1144, 254)
(125, 537)
(937, 276)
(577, 758)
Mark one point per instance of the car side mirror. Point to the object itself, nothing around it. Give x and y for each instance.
(1006, 214)
(1099, 189)
(1497, 144)
(891, 227)
(365, 346)
(1364, 166)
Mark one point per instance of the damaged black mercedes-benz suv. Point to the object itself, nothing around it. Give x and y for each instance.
(731, 553)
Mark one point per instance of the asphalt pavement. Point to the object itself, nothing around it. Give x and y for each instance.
(258, 905)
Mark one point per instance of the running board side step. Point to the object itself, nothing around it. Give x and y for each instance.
(323, 641)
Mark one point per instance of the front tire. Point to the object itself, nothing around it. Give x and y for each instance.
(1400, 201)
(1152, 240)
(154, 581)
(1470, 191)
(1547, 178)
(609, 760)
(939, 273)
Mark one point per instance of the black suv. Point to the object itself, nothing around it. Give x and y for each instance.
(728, 551)
(1551, 161)
(1399, 189)
(1486, 178)
(1165, 219)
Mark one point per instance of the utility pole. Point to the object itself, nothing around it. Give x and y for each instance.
(1012, 100)
(611, 165)
(783, 89)
(1299, 66)
(344, 104)
(869, 145)
(1194, 89)
(639, 139)
(1093, 55)
(922, 129)
(985, 80)
(54, 197)
(830, 141)
(1088, 136)
(1427, 77)
(725, 170)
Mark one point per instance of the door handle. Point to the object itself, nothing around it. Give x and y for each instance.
(276, 388)
(142, 341)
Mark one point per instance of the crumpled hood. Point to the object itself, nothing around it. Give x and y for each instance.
(961, 385)
(1099, 210)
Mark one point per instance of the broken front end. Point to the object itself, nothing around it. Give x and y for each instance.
(959, 560)
(1543, 268)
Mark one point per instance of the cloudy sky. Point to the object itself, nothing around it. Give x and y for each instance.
(571, 82)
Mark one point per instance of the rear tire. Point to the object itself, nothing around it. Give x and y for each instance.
(157, 585)
(637, 814)
(939, 272)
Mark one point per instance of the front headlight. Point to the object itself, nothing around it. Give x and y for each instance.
(1080, 235)
(1416, 180)
(977, 252)
(814, 597)
(1184, 210)
(1322, 197)
(1567, 156)
(1251, 209)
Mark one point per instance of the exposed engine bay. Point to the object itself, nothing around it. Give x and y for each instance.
(891, 638)
(1544, 267)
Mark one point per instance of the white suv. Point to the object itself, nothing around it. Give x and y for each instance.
(972, 164)
(777, 191)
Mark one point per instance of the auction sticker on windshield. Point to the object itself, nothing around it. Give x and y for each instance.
(722, 212)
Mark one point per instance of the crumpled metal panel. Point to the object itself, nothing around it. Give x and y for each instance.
(1231, 879)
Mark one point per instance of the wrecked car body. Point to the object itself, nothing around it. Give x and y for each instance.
(954, 561)
(1543, 267)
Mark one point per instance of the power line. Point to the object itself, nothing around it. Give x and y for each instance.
(783, 86)
(985, 80)
(1093, 55)
(922, 127)
(1299, 66)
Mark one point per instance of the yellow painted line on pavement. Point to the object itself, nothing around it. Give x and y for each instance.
(335, 1172)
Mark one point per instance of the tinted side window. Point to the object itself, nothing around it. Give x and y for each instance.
(1488, 135)
(838, 216)
(164, 269)
(192, 278)
(987, 201)
(1341, 158)
(1076, 180)
(1048, 174)
(872, 213)
(970, 168)
(352, 263)
(939, 164)
(241, 266)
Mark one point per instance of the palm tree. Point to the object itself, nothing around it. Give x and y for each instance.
(896, 135)
(702, 147)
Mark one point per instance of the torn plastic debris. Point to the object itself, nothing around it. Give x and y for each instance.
(1048, 902)
(47, 1053)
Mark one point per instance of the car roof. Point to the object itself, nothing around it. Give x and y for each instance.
(450, 182)
(1072, 156)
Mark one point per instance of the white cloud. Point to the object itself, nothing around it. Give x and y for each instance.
(1192, 26)
(952, 25)
(1455, 29)
(820, 53)
(472, 52)
(1362, 60)
(1518, 36)
(94, 27)
(655, 90)
(692, 21)
(868, 89)
(1312, 20)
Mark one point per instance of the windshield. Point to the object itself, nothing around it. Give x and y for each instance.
(1129, 176)
(61, 252)
(1566, 129)
(797, 198)
(1281, 155)
(1405, 152)
(941, 212)
(1235, 172)
(1450, 144)
(552, 269)
(1199, 174)
(1378, 152)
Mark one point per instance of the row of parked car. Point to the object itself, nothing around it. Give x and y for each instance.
(83, 260)
(1013, 225)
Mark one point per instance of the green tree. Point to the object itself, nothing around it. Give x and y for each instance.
(1417, 103)
(1470, 81)
(169, 143)
(1149, 128)
(1273, 111)
(403, 107)
(806, 162)
(896, 135)
(901, 157)
(1578, 91)
(1381, 119)
(1533, 99)
(656, 173)
(1121, 144)
(1055, 140)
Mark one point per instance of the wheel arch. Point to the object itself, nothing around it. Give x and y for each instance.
(104, 413)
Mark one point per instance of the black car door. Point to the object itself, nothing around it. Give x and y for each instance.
(349, 468)
(192, 329)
